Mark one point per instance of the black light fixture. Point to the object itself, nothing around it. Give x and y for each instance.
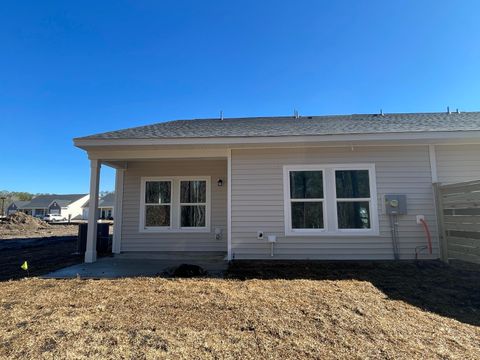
(220, 182)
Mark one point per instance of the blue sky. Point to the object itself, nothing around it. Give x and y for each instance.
(69, 69)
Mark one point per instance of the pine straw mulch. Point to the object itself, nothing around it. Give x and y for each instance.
(222, 318)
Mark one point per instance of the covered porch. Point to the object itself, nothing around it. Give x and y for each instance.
(169, 204)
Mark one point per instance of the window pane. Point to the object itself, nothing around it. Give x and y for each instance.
(157, 215)
(157, 192)
(307, 215)
(193, 191)
(306, 185)
(353, 215)
(352, 184)
(193, 216)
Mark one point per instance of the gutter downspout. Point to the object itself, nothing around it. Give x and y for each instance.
(437, 206)
(229, 205)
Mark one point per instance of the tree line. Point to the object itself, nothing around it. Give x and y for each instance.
(16, 195)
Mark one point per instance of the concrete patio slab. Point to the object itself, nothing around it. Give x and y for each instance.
(118, 267)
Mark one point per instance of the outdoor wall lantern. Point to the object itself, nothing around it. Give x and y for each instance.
(220, 182)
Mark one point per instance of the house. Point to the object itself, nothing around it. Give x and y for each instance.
(15, 206)
(69, 206)
(310, 187)
(105, 207)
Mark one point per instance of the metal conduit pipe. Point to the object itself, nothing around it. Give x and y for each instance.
(395, 237)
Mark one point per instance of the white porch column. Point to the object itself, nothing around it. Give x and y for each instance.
(91, 251)
(118, 211)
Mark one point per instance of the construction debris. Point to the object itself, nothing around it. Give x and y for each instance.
(20, 220)
(23, 226)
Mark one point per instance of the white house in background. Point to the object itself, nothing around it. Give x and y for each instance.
(106, 206)
(313, 187)
(69, 206)
(15, 206)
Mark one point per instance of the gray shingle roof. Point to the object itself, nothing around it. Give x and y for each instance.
(305, 125)
(43, 201)
(104, 202)
(19, 204)
(63, 203)
(108, 200)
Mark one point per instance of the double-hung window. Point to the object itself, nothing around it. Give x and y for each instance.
(306, 199)
(330, 200)
(175, 204)
(352, 189)
(193, 203)
(158, 203)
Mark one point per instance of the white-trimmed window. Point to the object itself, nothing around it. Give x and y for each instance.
(158, 203)
(193, 203)
(175, 204)
(306, 199)
(352, 190)
(330, 200)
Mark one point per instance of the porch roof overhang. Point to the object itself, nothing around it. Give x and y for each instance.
(218, 147)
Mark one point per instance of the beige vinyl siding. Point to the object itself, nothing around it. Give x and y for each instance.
(458, 163)
(258, 204)
(133, 240)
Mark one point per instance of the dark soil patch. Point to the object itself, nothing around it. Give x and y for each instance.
(54, 254)
(187, 270)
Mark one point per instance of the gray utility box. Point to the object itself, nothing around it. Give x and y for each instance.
(395, 204)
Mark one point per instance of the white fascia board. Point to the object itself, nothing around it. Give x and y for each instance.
(474, 136)
(134, 153)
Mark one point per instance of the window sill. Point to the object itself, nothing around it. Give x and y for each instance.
(344, 233)
(170, 230)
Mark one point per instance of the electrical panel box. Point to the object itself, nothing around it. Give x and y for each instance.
(395, 204)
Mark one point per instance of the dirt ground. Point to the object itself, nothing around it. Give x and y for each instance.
(53, 230)
(42, 255)
(262, 310)
(22, 226)
(46, 247)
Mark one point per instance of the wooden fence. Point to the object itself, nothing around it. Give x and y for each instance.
(458, 210)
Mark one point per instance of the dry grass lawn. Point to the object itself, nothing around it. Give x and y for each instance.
(230, 319)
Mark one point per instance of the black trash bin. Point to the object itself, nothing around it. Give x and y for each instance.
(104, 243)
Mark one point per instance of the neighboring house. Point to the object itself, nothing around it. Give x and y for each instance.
(15, 206)
(69, 206)
(317, 185)
(105, 207)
